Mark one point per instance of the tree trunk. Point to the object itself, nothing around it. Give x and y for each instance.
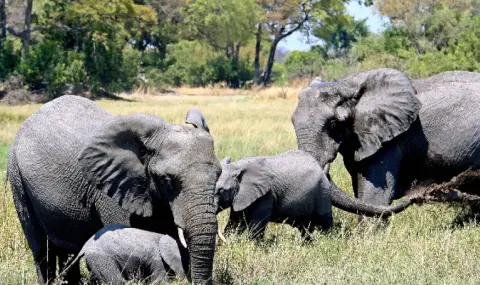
(271, 59)
(229, 51)
(3, 22)
(236, 62)
(28, 21)
(258, 47)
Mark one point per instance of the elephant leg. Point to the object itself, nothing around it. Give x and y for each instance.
(259, 214)
(236, 222)
(323, 223)
(104, 269)
(159, 275)
(43, 251)
(73, 275)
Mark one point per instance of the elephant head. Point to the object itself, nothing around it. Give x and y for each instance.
(138, 158)
(240, 185)
(358, 113)
(363, 111)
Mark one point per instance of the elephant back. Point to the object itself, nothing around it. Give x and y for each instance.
(45, 150)
(449, 78)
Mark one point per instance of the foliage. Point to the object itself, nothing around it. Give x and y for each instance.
(304, 64)
(118, 45)
(196, 64)
(9, 58)
(337, 30)
(40, 66)
(231, 22)
(227, 29)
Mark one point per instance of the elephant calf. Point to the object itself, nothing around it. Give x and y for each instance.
(289, 187)
(117, 253)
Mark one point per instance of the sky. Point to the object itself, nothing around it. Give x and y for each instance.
(375, 22)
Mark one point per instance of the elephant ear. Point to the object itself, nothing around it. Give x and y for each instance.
(387, 106)
(253, 184)
(170, 253)
(114, 160)
(196, 118)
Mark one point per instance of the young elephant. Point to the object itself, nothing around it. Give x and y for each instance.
(117, 253)
(290, 187)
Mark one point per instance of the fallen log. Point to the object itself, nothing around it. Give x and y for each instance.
(464, 188)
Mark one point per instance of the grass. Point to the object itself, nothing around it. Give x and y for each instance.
(423, 245)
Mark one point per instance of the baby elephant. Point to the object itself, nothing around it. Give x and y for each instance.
(116, 254)
(291, 186)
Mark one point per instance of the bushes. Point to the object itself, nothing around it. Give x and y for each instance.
(303, 64)
(195, 64)
(9, 58)
(38, 66)
(48, 67)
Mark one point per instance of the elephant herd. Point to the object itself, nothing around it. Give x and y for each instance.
(92, 184)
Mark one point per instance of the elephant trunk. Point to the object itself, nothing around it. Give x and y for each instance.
(200, 228)
(342, 200)
(309, 143)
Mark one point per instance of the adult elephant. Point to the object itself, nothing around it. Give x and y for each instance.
(389, 135)
(75, 168)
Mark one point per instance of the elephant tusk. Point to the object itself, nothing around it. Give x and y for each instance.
(182, 237)
(220, 235)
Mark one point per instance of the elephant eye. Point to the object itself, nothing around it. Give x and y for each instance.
(335, 128)
(331, 124)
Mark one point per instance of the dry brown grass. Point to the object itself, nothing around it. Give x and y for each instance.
(289, 90)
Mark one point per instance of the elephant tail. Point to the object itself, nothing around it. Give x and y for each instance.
(74, 261)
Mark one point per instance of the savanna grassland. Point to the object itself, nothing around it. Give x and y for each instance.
(429, 244)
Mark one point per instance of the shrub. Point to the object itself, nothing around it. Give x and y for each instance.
(303, 64)
(9, 58)
(38, 66)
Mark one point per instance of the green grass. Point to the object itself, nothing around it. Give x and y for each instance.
(423, 245)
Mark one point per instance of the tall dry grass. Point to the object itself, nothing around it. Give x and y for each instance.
(274, 91)
(423, 245)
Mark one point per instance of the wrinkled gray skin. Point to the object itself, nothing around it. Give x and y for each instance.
(390, 136)
(117, 254)
(290, 186)
(75, 168)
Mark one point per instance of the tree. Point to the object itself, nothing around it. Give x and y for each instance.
(18, 12)
(283, 18)
(3, 21)
(168, 29)
(339, 36)
(225, 25)
(258, 48)
(429, 25)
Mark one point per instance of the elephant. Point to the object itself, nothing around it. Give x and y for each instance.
(391, 136)
(117, 254)
(75, 168)
(290, 187)
(463, 79)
